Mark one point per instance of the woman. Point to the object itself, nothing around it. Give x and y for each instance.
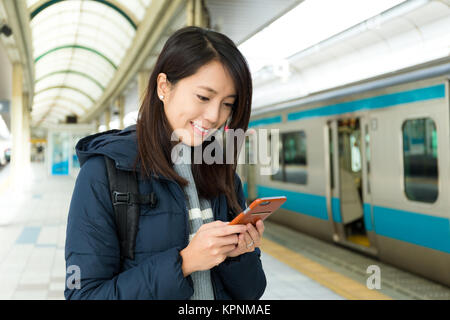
(185, 248)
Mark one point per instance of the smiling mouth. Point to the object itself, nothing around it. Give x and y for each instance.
(200, 130)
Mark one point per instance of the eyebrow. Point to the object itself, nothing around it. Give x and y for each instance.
(215, 92)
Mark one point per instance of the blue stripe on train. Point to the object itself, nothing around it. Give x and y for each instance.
(417, 228)
(310, 204)
(424, 230)
(264, 121)
(377, 102)
(388, 100)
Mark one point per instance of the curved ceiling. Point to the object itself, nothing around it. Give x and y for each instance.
(77, 48)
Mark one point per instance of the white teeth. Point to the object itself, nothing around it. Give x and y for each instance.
(200, 128)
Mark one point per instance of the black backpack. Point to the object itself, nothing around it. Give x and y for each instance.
(126, 199)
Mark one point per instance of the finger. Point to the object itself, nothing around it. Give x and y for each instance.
(227, 240)
(214, 224)
(260, 227)
(248, 241)
(227, 249)
(253, 233)
(227, 230)
(242, 244)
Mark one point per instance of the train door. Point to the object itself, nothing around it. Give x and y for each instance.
(349, 171)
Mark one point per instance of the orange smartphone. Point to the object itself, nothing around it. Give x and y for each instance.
(259, 209)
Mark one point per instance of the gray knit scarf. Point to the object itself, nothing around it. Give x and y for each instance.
(200, 212)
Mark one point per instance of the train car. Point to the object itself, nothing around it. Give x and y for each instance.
(366, 166)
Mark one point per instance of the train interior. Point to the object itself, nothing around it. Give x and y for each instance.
(351, 180)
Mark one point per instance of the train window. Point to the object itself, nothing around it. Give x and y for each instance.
(292, 156)
(279, 175)
(355, 150)
(420, 160)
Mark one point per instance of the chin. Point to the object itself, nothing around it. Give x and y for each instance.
(192, 140)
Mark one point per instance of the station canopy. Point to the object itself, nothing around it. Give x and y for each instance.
(77, 47)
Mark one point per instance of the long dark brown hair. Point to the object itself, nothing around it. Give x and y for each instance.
(183, 54)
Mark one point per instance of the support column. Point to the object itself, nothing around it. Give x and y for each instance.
(190, 12)
(17, 125)
(26, 132)
(143, 77)
(120, 103)
(107, 117)
(197, 14)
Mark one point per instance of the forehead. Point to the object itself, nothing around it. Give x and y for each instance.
(213, 75)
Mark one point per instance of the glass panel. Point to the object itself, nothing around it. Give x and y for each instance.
(83, 30)
(60, 153)
(420, 160)
(75, 139)
(101, 75)
(294, 153)
(55, 112)
(84, 84)
(113, 49)
(356, 151)
(62, 104)
(86, 23)
(49, 82)
(73, 95)
(136, 7)
(278, 176)
(292, 158)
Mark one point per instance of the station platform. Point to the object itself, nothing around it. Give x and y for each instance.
(299, 267)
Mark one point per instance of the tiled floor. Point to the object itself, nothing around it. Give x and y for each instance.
(32, 234)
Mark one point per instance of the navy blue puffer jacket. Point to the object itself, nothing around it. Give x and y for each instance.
(92, 245)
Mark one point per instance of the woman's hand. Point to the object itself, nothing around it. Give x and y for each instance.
(249, 240)
(210, 246)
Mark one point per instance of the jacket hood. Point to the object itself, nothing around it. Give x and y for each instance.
(119, 145)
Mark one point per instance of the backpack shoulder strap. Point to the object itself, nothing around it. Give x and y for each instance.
(123, 186)
(125, 197)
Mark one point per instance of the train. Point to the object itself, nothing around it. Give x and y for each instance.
(365, 166)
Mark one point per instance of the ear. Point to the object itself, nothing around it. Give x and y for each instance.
(162, 86)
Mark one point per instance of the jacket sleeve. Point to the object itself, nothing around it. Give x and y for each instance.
(243, 276)
(93, 256)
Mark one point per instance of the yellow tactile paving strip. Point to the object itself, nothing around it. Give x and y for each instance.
(342, 285)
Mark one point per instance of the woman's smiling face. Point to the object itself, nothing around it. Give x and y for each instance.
(198, 104)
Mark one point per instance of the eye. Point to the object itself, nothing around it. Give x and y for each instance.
(202, 98)
(230, 105)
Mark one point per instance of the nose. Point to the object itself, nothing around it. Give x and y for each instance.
(211, 115)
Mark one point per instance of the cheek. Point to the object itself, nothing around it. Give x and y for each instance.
(226, 115)
(180, 113)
